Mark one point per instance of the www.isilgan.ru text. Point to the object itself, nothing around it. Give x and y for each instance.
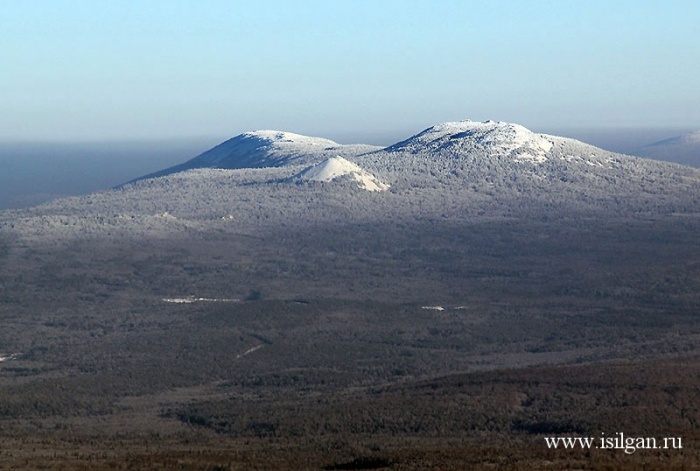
(617, 441)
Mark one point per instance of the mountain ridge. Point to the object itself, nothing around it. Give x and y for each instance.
(459, 171)
(272, 148)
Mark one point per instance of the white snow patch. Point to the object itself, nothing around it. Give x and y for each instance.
(336, 167)
(9, 356)
(587, 161)
(193, 299)
(249, 351)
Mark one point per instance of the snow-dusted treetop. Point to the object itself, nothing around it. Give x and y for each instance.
(461, 137)
(337, 167)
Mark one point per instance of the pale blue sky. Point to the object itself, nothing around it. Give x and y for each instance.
(349, 70)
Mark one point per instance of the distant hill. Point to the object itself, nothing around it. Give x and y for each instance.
(684, 149)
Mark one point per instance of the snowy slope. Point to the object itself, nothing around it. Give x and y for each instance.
(258, 149)
(336, 168)
(684, 149)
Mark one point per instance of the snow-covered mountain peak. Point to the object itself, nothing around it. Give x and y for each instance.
(283, 139)
(337, 167)
(496, 137)
(267, 148)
